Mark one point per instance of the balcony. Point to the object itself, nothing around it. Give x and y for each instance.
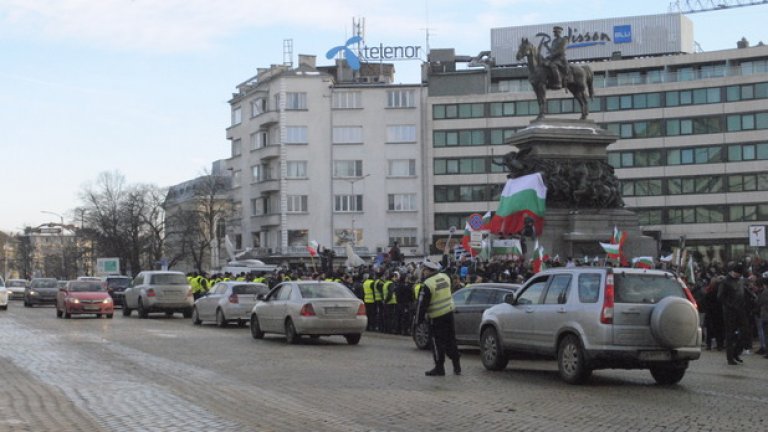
(271, 151)
(267, 119)
(268, 185)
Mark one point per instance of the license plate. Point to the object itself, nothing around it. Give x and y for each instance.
(91, 308)
(335, 310)
(655, 355)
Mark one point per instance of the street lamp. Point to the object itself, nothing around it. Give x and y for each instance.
(61, 239)
(352, 182)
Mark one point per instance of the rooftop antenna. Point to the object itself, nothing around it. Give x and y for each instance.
(288, 52)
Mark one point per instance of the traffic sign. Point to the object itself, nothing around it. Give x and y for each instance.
(757, 235)
(475, 221)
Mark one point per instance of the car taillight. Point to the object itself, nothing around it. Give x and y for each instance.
(233, 299)
(151, 292)
(606, 315)
(361, 310)
(307, 310)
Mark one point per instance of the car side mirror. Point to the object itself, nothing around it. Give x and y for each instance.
(260, 297)
(510, 299)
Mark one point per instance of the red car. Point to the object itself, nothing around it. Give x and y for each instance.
(83, 297)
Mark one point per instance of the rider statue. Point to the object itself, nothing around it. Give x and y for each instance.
(556, 61)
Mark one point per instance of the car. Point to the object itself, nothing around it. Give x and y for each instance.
(115, 286)
(228, 301)
(4, 295)
(313, 308)
(470, 303)
(41, 291)
(83, 297)
(591, 318)
(158, 291)
(16, 288)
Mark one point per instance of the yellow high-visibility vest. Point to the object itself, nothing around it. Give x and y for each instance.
(441, 301)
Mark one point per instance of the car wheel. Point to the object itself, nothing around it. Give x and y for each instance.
(353, 339)
(571, 362)
(59, 313)
(140, 308)
(126, 311)
(256, 328)
(109, 316)
(196, 317)
(668, 374)
(491, 353)
(421, 336)
(291, 336)
(221, 321)
(187, 313)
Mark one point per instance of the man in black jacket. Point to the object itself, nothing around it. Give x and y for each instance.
(730, 294)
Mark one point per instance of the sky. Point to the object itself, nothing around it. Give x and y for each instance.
(140, 87)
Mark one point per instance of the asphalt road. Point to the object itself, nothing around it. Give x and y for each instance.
(164, 374)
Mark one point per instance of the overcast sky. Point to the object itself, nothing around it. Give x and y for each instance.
(141, 86)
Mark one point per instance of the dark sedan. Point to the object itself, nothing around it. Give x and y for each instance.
(41, 291)
(470, 303)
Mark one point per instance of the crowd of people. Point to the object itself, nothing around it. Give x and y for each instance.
(732, 298)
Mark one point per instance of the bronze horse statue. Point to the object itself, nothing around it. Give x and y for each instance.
(579, 82)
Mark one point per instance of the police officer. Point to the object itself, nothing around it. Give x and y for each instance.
(436, 303)
(730, 293)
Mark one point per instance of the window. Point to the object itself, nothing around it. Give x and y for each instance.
(745, 152)
(502, 109)
(347, 100)
(401, 134)
(405, 237)
(348, 203)
(589, 287)
(297, 169)
(236, 176)
(259, 140)
(401, 168)
(298, 238)
(558, 289)
(532, 293)
(443, 221)
(237, 147)
(401, 99)
(268, 172)
(348, 135)
(295, 101)
(402, 202)
(237, 115)
(347, 168)
(258, 106)
(296, 135)
(297, 204)
(256, 173)
(257, 207)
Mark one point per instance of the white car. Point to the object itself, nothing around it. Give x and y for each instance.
(16, 288)
(3, 295)
(227, 302)
(311, 308)
(159, 291)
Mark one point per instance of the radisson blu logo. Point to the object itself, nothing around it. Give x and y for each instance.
(352, 59)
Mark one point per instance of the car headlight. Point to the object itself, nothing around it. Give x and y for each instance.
(74, 300)
(107, 300)
(34, 293)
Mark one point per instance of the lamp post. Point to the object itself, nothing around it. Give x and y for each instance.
(352, 182)
(61, 239)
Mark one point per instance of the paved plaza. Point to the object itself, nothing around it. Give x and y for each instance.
(164, 374)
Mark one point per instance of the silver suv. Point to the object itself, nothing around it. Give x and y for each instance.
(597, 318)
(158, 291)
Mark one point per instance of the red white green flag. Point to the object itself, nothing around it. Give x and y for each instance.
(618, 236)
(312, 248)
(538, 258)
(611, 249)
(645, 262)
(522, 197)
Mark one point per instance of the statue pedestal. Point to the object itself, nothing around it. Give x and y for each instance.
(572, 154)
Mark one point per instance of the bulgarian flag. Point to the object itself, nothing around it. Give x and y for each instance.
(465, 240)
(618, 236)
(611, 249)
(645, 262)
(312, 248)
(538, 258)
(522, 197)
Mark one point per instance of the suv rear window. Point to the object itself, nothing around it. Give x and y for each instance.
(645, 288)
(118, 282)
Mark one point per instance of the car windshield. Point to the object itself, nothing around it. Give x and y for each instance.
(168, 279)
(85, 286)
(17, 284)
(44, 283)
(645, 288)
(118, 282)
(250, 289)
(325, 290)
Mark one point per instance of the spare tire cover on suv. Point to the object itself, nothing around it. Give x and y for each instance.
(674, 322)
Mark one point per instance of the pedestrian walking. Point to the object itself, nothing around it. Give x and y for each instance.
(730, 293)
(436, 306)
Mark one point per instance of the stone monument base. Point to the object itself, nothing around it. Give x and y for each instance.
(578, 233)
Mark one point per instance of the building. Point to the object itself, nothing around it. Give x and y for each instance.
(693, 128)
(326, 154)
